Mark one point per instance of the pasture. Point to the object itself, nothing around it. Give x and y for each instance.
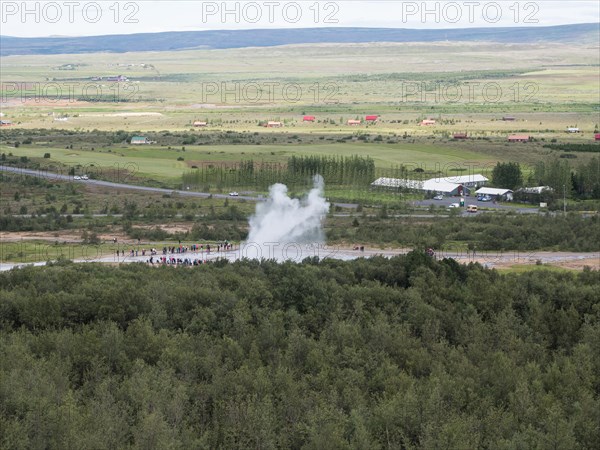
(168, 164)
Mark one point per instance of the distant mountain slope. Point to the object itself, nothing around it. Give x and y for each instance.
(579, 33)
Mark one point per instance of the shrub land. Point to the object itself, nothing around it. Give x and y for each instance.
(406, 352)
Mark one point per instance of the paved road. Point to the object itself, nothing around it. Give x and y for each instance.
(110, 184)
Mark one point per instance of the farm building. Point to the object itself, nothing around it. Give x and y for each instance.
(273, 124)
(140, 140)
(460, 136)
(353, 122)
(536, 189)
(444, 187)
(397, 183)
(597, 136)
(475, 180)
(118, 78)
(426, 122)
(518, 138)
(371, 118)
(504, 194)
(572, 130)
(436, 185)
(200, 124)
(308, 119)
(508, 118)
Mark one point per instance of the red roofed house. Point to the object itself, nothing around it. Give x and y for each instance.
(371, 118)
(460, 136)
(428, 122)
(518, 138)
(308, 119)
(597, 136)
(353, 122)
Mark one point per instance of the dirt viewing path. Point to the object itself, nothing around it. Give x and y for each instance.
(294, 252)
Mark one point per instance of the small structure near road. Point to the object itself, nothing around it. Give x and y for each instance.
(444, 187)
(502, 194)
(353, 122)
(141, 140)
(372, 118)
(427, 122)
(536, 189)
(460, 136)
(572, 130)
(199, 124)
(472, 181)
(518, 138)
(273, 124)
(308, 119)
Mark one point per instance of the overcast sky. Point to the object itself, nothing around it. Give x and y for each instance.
(83, 18)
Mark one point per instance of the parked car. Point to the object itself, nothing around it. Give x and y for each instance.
(84, 177)
(472, 208)
(454, 205)
(233, 194)
(77, 177)
(438, 197)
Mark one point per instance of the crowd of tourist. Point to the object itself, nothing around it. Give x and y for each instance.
(185, 255)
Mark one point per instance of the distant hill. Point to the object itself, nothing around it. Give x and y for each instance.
(179, 40)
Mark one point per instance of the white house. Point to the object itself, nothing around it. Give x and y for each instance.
(441, 186)
(396, 183)
(505, 194)
(536, 189)
(437, 185)
(474, 180)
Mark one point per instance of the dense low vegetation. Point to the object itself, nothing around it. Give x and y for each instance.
(591, 148)
(381, 353)
(486, 232)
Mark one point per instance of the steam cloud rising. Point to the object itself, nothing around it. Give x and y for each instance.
(284, 220)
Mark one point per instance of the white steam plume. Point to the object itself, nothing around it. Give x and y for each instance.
(284, 220)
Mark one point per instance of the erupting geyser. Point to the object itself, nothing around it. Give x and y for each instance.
(282, 221)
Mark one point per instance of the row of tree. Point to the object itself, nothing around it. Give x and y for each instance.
(581, 181)
(298, 172)
(493, 232)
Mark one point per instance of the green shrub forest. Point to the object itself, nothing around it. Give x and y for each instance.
(407, 352)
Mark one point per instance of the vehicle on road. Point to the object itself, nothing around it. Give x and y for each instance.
(77, 177)
(454, 205)
(438, 197)
(84, 177)
(472, 208)
(234, 194)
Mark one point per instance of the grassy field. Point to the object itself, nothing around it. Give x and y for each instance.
(329, 79)
(162, 163)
